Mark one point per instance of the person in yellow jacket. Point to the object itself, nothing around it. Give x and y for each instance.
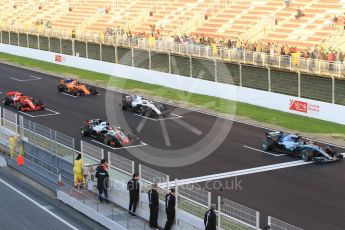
(79, 179)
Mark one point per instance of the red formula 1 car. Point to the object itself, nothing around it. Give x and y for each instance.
(22, 102)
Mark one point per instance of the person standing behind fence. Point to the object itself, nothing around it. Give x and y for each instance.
(154, 206)
(210, 219)
(79, 179)
(134, 191)
(102, 181)
(170, 202)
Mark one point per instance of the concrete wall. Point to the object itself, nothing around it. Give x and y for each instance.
(295, 105)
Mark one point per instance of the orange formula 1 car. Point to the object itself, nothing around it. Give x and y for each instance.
(22, 102)
(75, 88)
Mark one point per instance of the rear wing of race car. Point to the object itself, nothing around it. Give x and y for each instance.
(273, 134)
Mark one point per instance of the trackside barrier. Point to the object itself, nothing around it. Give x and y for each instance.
(10, 120)
(236, 216)
(149, 176)
(94, 153)
(47, 139)
(276, 224)
(120, 168)
(193, 199)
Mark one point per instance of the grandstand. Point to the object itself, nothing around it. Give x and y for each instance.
(257, 20)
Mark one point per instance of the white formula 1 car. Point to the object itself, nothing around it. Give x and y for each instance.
(144, 106)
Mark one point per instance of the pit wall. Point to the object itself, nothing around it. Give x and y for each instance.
(295, 105)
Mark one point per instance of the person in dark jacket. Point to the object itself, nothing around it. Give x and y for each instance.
(154, 206)
(170, 202)
(210, 219)
(102, 181)
(134, 191)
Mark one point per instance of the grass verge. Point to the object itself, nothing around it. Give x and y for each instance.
(254, 113)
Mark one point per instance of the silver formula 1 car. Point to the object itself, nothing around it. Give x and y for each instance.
(295, 145)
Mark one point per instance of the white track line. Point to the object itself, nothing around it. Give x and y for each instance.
(241, 172)
(34, 79)
(42, 115)
(258, 150)
(70, 95)
(175, 116)
(39, 205)
(126, 147)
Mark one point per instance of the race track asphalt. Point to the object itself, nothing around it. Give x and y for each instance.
(19, 212)
(290, 194)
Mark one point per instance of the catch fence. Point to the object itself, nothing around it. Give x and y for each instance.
(55, 142)
(121, 167)
(276, 224)
(236, 216)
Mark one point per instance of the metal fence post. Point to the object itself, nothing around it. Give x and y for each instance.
(18, 39)
(169, 62)
(140, 187)
(73, 47)
(38, 42)
(219, 212)
(60, 45)
(333, 90)
(116, 58)
(168, 181)
(190, 67)
(177, 202)
(240, 71)
(215, 71)
(269, 78)
(49, 44)
(100, 52)
(299, 83)
(17, 131)
(86, 51)
(279, 61)
(1, 36)
(132, 56)
(9, 38)
(269, 221)
(133, 167)
(257, 220)
(150, 60)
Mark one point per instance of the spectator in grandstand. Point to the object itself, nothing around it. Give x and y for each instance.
(170, 202)
(102, 181)
(134, 191)
(154, 206)
(331, 60)
(299, 13)
(210, 219)
(287, 3)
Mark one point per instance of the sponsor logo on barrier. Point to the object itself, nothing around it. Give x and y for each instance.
(59, 58)
(303, 107)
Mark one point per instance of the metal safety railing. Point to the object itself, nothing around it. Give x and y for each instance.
(292, 63)
(276, 224)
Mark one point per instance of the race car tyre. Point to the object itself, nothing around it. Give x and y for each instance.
(93, 91)
(6, 101)
(122, 106)
(266, 145)
(142, 111)
(19, 106)
(307, 155)
(39, 103)
(84, 132)
(61, 88)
